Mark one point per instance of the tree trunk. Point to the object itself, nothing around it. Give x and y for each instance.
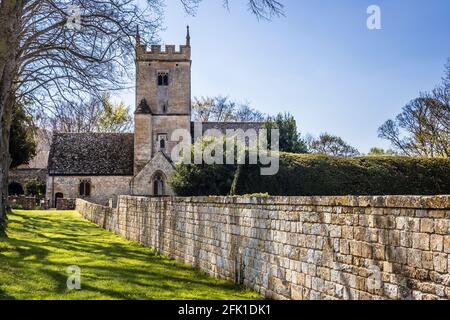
(234, 185)
(5, 160)
(10, 18)
(10, 25)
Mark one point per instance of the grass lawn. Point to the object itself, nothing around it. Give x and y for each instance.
(42, 244)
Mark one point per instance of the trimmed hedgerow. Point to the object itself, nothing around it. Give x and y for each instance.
(306, 174)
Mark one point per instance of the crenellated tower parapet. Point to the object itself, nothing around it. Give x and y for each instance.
(167, 53)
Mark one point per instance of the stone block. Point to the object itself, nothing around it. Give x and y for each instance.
(427, 260)
(379, 252)
(437, 242)
(421, 241)
(296, 292)
(335, 231)
(414, 258)
(366, 250)
(406, 239)
(394, 237)
(355, 248)
(347, 232)
(441, 226)
(447, 244)
(390, 290)
(427, 225)
(440, 262)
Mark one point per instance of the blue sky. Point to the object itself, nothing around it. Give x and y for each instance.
(320, 62)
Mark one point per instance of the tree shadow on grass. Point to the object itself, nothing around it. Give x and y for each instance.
(5, 296)
(110, 266)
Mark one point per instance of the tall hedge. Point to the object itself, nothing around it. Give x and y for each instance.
(305, 174)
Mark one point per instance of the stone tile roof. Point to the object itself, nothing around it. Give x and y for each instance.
(91, 154)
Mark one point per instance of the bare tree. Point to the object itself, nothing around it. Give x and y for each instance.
(95, 115)
(423, 126)
(331, 145)
(222, 109)
(55, 51)
(262, 9)
(246, 113)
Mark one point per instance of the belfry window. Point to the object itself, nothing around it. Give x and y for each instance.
(163, 78)
(85, 188)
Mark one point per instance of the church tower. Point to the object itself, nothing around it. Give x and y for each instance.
(163, 98)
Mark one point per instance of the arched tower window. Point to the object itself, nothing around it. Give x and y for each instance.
(163, 78)
(162, 141)
(158, 185)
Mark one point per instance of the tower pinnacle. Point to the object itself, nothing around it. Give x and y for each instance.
(188, 37)
(138, 36)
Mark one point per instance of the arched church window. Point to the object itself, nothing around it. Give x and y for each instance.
(85, 188)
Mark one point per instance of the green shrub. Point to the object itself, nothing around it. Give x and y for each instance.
(200, 180)
(306, 174)
(16, 206)
(34, 187)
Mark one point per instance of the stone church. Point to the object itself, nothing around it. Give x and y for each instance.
(101, 166)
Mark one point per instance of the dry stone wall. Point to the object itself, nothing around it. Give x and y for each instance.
(390, 247)
(23, 202)
(65, 204)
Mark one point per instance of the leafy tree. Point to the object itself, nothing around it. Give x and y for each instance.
(34, 187)
(331, 145)
(423, 126)
(222, 109)
(203, 178)
(22, 144)
(114, 117)
(290, 140)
